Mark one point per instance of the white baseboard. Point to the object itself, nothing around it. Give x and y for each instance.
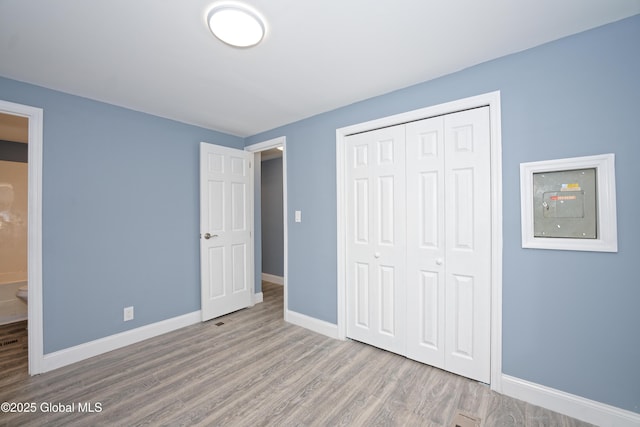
(574, 406)
(80, 352)
(315, 325)
(257, 298)
(271, 278)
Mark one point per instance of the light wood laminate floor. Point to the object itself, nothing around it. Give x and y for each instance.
(255, 370)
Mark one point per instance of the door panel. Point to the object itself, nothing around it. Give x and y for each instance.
(361, 299)
(462, 205)
(462, 325)
(361, 206)
(387, 300)
(429, 310)
(239, 252)
(468, 243)
(385, 210)
(425, 241)
(238, 204)
(216, 272)
(225, 222)
(375, 246)
(428, 206)
(216, 211)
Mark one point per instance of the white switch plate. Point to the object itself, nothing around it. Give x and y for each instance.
(128, 313)
(298, 216)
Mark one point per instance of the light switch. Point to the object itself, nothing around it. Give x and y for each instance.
(298, 216)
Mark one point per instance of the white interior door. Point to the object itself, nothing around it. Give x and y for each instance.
(376, 238)
(226, 221)
(442, 270)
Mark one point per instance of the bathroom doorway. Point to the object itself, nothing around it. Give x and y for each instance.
(17, 219)
(14, 138)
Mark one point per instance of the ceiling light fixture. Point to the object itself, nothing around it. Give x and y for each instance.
(236, 24)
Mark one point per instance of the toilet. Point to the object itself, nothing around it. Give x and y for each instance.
(23, 293)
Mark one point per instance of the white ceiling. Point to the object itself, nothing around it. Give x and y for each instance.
(158, 56)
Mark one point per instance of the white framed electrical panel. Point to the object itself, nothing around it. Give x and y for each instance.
(569, 204)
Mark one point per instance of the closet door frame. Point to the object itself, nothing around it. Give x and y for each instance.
(492, 100)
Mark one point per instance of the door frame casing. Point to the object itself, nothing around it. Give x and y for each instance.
(256, 149)
(492, 100)
(34, 231)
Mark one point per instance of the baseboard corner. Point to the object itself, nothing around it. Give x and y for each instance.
(272, 278)
(311, 323)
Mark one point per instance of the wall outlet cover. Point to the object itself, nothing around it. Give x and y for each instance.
(128, 313)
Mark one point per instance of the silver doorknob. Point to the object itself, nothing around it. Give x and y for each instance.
(209, 235)
(439, 261)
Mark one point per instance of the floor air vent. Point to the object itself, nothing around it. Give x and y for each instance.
(465, 420)
(5, 343)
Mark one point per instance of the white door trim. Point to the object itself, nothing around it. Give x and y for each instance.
(256, 149)
(492, 100)
(34, 255)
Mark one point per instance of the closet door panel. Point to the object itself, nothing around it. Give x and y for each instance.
(468, 243)
(425, 241)
(376, 238)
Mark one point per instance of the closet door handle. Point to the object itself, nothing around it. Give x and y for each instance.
(376, 254)
(439, 261)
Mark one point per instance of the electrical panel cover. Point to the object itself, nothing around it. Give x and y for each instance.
(565, 204)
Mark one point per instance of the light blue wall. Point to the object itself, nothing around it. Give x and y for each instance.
(272, 225)
(120, 215)
(570, 319)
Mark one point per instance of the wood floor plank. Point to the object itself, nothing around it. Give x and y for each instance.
(255, 370)
(505, 412)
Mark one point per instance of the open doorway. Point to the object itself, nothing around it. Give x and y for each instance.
(32, 118)
(271, 265)
(272, 223)
(14, 138)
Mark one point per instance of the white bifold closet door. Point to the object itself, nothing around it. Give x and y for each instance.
(418, 250)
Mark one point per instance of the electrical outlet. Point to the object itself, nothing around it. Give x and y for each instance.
(128, 313)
